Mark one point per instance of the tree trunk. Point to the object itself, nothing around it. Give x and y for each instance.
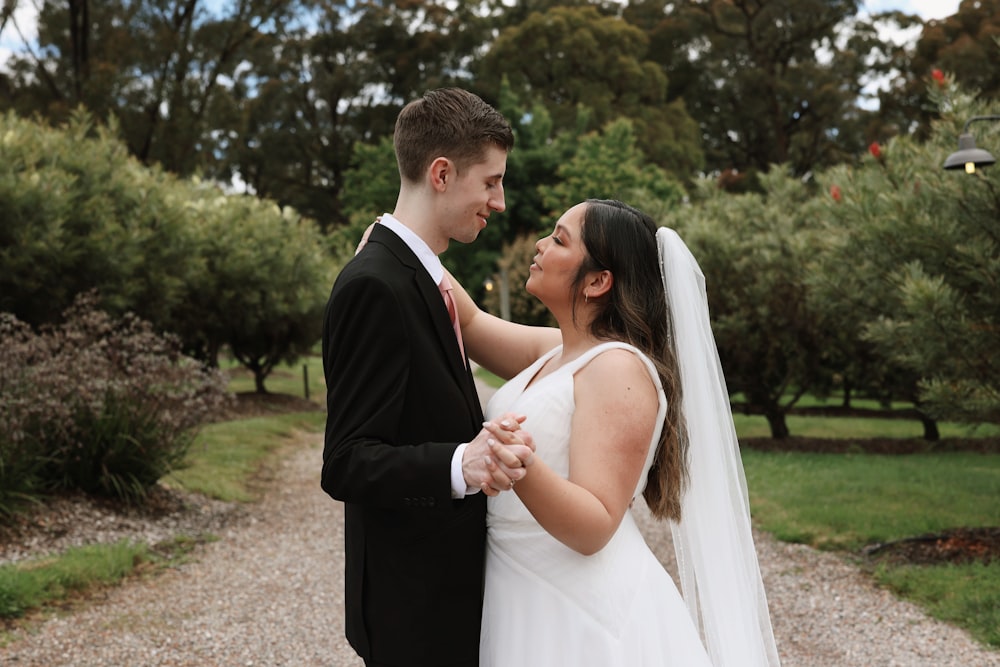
(776, 420)
(931, 432)
(258, 379)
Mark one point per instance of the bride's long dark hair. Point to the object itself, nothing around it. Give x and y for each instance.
(622, 240)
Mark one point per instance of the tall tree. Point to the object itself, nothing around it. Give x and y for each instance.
(568, 57)
(914, 258)
(340, 80)
(608, 165)
(163, 67)
(963, 47)
(770, 81)
(964, 44)
(753, 249)
(270, 94)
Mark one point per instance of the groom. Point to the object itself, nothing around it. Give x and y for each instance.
(404, 448)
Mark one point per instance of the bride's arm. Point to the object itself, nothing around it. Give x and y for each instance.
(616, 408)
(501, 347)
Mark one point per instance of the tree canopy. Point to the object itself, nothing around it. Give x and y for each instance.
(271, 97)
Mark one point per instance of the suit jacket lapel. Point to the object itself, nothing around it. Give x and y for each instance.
(431, 296)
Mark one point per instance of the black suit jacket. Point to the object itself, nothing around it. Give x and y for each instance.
(400, 399)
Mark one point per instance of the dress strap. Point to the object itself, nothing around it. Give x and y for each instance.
(589, 355)
(661, 413)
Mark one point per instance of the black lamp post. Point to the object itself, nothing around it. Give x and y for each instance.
(968, 156)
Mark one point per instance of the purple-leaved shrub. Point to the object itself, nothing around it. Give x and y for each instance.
(106, 406)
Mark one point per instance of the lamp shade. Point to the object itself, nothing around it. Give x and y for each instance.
(966, 153)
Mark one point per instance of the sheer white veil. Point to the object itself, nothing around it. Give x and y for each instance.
(717, 562)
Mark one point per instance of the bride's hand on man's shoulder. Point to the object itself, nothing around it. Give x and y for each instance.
(364, 236)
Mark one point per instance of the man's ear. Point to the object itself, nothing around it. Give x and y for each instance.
(599, 283)
(440, 172)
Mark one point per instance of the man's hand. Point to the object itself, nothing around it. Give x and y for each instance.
(498, 456)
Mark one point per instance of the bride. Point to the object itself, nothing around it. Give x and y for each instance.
(625, 398)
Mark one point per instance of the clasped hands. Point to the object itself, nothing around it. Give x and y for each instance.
(499, 455)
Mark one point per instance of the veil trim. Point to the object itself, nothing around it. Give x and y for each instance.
(717, 562)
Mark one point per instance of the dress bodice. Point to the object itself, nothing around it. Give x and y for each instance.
(548, 403)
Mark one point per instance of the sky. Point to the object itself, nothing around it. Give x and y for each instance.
(926, 9)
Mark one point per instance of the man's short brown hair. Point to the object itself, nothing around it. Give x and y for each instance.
(451, 123)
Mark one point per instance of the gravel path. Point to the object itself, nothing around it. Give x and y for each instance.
(269, 592)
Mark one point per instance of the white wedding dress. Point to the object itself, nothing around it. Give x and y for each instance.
(547, 605)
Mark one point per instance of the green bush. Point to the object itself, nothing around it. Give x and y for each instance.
(218, 270)
(124, 448)
(96, 404)
(80, 214)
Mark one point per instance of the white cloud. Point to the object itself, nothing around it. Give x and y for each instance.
(25, 19)
(925, 9)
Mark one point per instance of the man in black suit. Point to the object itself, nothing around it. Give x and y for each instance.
(404, 448)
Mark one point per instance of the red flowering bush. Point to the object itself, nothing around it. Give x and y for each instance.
(99, 405)
(938, 77)
(875, 150)
(835, 193)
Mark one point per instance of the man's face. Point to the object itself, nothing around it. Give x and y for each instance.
(473, 195)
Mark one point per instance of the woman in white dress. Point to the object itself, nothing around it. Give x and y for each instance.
(613, 415)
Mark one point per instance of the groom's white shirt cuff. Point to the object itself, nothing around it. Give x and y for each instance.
(459, 489)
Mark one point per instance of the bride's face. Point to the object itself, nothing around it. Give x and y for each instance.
(558, 259)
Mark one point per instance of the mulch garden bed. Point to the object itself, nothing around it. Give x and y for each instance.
(958, 546)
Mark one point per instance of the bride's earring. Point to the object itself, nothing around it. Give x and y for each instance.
(586, 298)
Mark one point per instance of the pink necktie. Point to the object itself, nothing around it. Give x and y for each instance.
(445, 287)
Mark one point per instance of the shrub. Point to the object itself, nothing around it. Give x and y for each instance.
(218, 270)
(524, 308)
(96, 404)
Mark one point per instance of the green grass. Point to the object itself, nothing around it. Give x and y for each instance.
(965, 595)
(755, 426)
(225, 457)
(836, 401)
(26, 586)
(30, 585)
(489, 378)
(847, 501)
